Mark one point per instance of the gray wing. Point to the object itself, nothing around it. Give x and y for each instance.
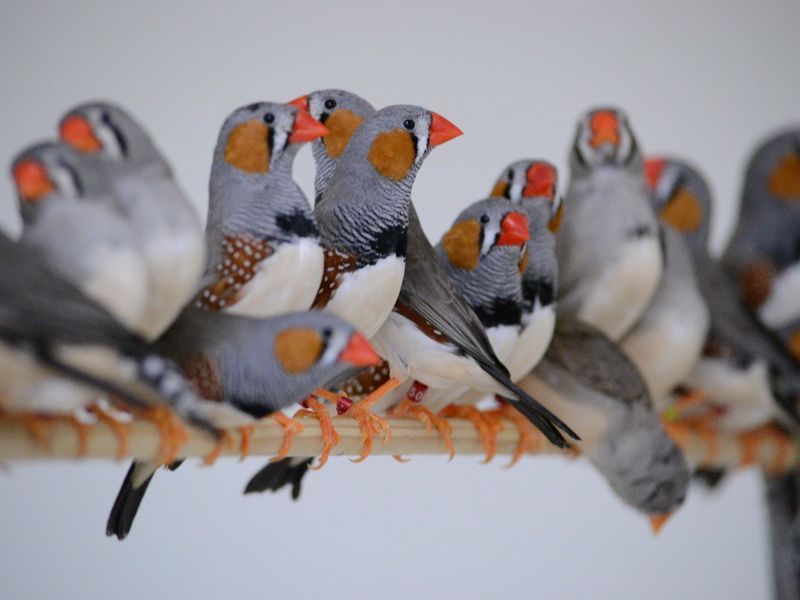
(596, 362)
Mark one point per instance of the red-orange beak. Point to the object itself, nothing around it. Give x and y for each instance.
(306, 128)
(541, 181)
(605, 128)
(657, 522)
(514, 230)
(442, 130)
(653, 168)
(32, 180)
(78, 133)
(359, 353)
(301, 102)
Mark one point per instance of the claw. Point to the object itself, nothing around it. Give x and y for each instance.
(330, 437)
(528, 434)
(173, 434)
(224, 440)
(410, 409)
(486, 428)
(120, 429)
(38, 427)
(291, 428)
(370, 423)
(82, 431)
(246, 434)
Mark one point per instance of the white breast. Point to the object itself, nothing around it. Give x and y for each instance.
(366, 297)
(622, 292)
(286, 281)
(533, 341)
(783, 304)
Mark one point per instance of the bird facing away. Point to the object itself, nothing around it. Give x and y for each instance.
(608, 248)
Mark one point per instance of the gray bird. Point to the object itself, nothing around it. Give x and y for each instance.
(531, 184)
(248, 369)
(67, 213)
(587, 378)
(264, 255)
(142, 182)
(668, 340)
(745, 369)
(764, 252)
(608, 248)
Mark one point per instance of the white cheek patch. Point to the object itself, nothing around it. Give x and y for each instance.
(490, 234)
(279, 139)
(108, 139)
(422, 131)
(64, 181)
(515, 191)
(336, 344)
(666, 183)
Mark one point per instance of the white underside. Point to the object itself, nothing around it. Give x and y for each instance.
(622, 292)
(744, 393)
(532, 342)
(783, 304)
(665, 349)
(286, 281)
(365, 297)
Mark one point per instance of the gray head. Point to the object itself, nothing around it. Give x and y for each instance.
(342, 113)
(604, 138)
(532, 183)
(50, 171)
(681, 198)
(773, 172)
(643, 465)
(107, 132)
(485, 254)
(263, 365)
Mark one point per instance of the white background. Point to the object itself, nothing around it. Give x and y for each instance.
(705, 79)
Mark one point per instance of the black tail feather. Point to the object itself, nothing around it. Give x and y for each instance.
(126, 505)
(276, 475)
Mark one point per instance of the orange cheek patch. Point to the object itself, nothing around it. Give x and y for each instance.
(499, 190)
(683, 211)
(794, 344)
(392, 154)
(341, 125)
(784, 181)
(32, 181)
(297, 349)
(247, 148)
(461, 244)
(555, 222)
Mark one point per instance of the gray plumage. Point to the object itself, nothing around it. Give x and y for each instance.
(586, 376)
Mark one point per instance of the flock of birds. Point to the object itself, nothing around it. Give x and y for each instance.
(587, 320)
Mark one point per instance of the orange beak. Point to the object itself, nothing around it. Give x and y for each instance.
(653, 167)
(306, 128)
(541, 181)
(32, 181)
(605, 128)
(301, 103)
(514, 230)
(657, 522)
(77, 132)
(442, 130)
(359, 353)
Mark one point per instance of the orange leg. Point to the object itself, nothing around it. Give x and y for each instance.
(120, 429)
(486, 428)
(245, 434)
(82, 431)
(370, 423)
(409, 409)
(38, 426)
(291, 428)
(173, 434)
(330, 437)
(529, 436)
(224, 440)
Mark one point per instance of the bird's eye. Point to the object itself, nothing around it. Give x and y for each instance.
(327, 332)
(330, 103)
(268, 118)
(409, 124)
(484, 219)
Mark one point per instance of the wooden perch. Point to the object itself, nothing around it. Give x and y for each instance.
(769, 447)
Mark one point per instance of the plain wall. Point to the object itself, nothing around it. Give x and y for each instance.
(706, 80)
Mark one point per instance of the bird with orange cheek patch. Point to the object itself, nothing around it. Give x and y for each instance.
(668, 339)
(746, 377)
(764, 252)
(69, 215)
(249, 369)
(585, 377)
(608, 248)
(264, 254)
(165, 222)
(531, 185)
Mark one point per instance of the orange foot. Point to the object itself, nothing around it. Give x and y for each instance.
(369, 423)
(409, 409)
(529, 436)
(485, 426)
(173, 434)
(225, 440)
(38, 426)
(82, 431)
(330, 437)
(120, 429)
(291, 428)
